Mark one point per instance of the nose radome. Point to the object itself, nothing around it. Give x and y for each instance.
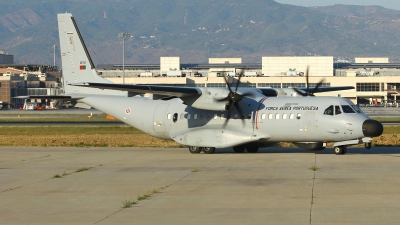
(372, 128)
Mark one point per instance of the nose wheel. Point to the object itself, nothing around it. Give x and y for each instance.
(340, 150)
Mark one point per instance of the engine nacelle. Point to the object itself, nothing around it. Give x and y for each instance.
(310, 146)
(207, 101)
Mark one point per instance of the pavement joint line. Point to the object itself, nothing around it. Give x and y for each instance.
(312, 189)
(187, 175)
(108, 216)
(12, 189)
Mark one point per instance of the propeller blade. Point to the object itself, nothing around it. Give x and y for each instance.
(240, 113)
(222, 99)
(227, 83)
(238, 82)
(228, 116)
(248, 94)
(307, 84)
(319, 84)
(300, 92)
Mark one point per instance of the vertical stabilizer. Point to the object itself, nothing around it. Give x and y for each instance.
(77, 65)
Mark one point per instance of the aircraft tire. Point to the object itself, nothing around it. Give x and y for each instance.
(195, 150)
(338, 150)
(344, 150)
(368, 145)
(252, 149)
(208, 150)
(239, 149)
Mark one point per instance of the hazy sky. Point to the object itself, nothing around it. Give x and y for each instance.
(390, 4)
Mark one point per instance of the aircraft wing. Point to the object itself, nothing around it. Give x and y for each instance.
(143, 89)
(328, 89)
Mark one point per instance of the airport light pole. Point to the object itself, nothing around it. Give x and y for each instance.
(54, 55)
(123, 36)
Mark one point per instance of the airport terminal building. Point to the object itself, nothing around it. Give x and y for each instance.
(376, 80)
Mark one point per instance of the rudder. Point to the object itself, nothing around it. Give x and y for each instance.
(77, 65)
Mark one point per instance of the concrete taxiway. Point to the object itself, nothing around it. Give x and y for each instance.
(274, 186)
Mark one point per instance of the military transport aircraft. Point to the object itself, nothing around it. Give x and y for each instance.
(206, 118)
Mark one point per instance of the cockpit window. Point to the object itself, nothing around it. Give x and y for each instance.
(337, 110)
(357, 109)
(329, 111)
(347, 109)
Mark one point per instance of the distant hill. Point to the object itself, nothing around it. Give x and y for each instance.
(197, 29)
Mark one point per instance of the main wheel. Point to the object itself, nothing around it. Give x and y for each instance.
(239, 149)
(338, 150)
(194, 149)
(252, 149)
(208, 150)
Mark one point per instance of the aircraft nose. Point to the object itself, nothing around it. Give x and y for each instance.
(372, 128)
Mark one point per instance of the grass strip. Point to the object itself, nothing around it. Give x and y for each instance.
(66, 136)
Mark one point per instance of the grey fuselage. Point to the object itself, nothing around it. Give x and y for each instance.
(273, 119)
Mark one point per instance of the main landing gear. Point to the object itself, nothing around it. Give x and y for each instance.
(206, 150)
(211, 150)
(340, 150)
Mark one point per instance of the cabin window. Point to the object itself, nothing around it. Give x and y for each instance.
(182, 116)
(208, 116)
(263, 116)
(291, 116)
(347, 109)
(298, 116)
(249, 116)
(201, 116)
(195, 116)
(235, 116)
(284, 116)
(277, 116)
(175, 117)
(215, 116)
(169, 116)
(270, 116)
(337, 110)
(329, 111)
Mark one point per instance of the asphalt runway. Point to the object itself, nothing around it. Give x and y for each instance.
(275, 186)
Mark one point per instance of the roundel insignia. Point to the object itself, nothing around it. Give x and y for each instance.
(127, 110)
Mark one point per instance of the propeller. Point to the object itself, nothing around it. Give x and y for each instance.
(308, 92)
(233, 99)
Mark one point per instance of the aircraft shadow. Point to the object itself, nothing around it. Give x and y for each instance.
(350, 150)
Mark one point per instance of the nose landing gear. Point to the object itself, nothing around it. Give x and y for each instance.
(368, 145)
